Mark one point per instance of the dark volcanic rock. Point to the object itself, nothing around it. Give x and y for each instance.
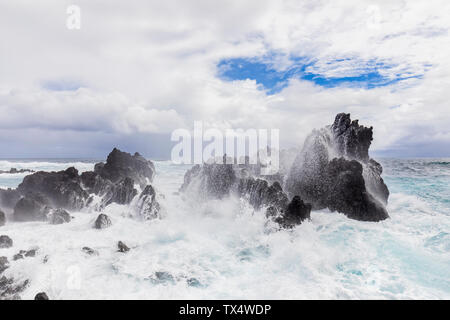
(90, 251)
(214, 180)
(5, 242)
(123, 192)
(33, 207)
(161, 277)
(62, 189)
(260, 194)
(9, 289)
(9, 198)
(112, 182)
(59, 216)
(41, 296)
(147, 205)
(295, 213)
(102, 221)
(2, 218)
(334, 170)
(120, 165)
(24, 253)
(4, 264)
(19, 255)
(221, 180)
(122, 247)
(347, 192)
(94, 183)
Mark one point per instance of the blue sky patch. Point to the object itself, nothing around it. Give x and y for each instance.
(61, 85)
(339, 72)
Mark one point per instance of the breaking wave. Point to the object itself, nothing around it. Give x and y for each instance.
(224, 249)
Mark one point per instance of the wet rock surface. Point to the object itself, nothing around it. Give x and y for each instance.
(147, 205)
(41, 296)
(102, 222)
(32, 207)
(59, 216)
(10, 289)
(5, 241)
(25, 254)
(216, 181)
(4, 264)
(120, 165)
(2, 218)
(122, 247)
(113, 181)
(334, 171)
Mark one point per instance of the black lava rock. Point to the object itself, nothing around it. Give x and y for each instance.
(334, 171)
(5, 242)
(33, 207)
(2, 218)
(41, 296)
(122, 247)
(148, 206)
(59, 216)
(62, 189)
(120, 165)
(4, 264)
(102, 221)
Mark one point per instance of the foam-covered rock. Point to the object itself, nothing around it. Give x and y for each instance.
(102, 222)
(5, 241)
(2, 218)
(334, 171)
(216, 181)
(33, 207)
(147, 205)
(62, 188)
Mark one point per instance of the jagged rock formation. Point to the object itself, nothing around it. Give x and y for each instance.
(9, 288)
(33, 207)
(4, 264)
(9, 198)
(147, 204)
(120, 165)
(62, 189)
(2, 218)
(334, 171)
(215, 181)
(122, 247)
(113, 182)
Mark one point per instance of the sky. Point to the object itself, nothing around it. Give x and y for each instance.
(137, 70)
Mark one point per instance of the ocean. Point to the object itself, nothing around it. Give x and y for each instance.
(225, 250)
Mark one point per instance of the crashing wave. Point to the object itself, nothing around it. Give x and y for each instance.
(116, 181)
(334, 171)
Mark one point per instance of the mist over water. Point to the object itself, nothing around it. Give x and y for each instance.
(223, 249)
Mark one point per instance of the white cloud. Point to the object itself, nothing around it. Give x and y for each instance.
(151, 66)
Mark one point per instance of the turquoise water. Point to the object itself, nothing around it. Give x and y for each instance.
(232, 253)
